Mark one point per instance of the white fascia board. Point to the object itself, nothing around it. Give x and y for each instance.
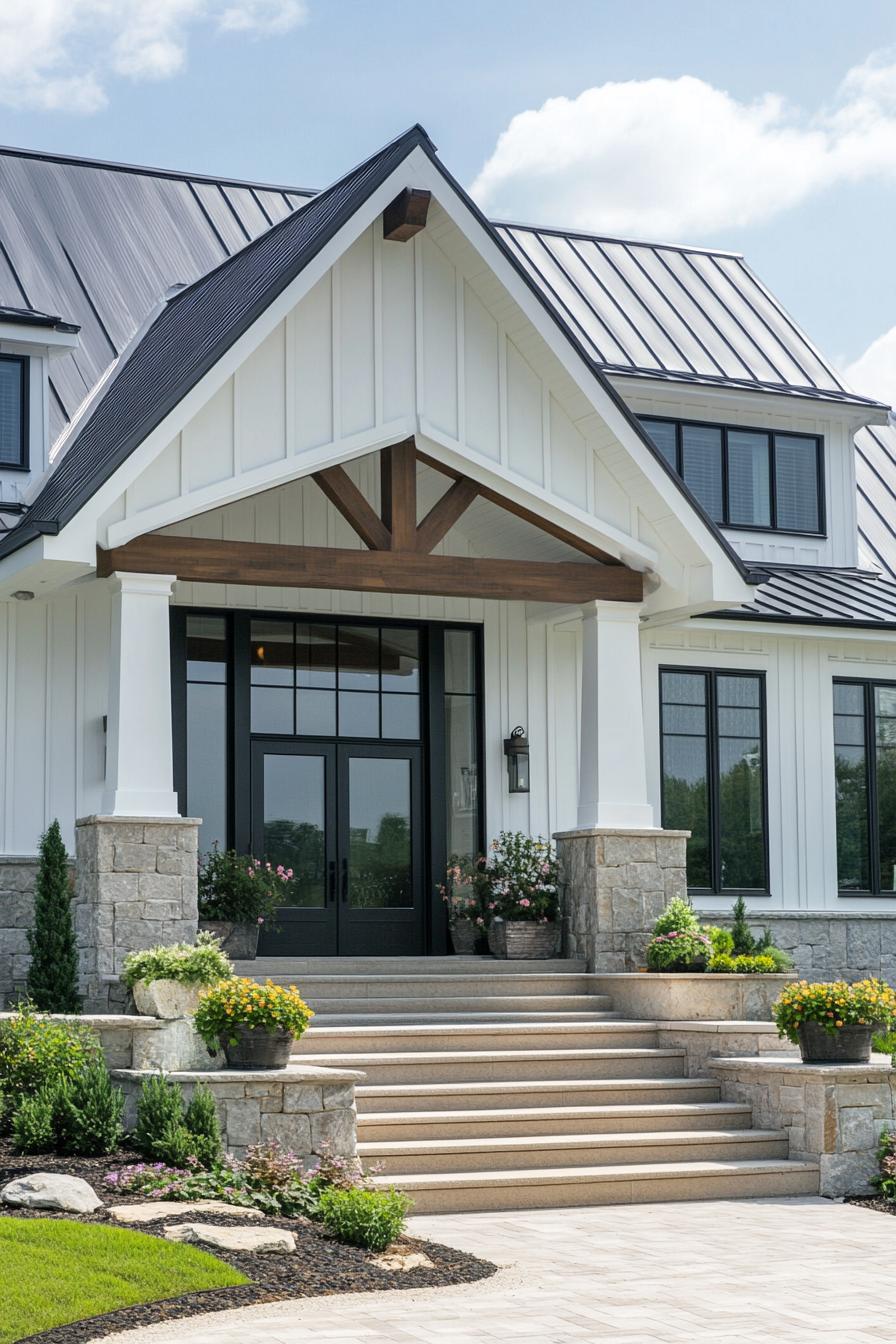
(795, 630)
(749, 399)
(33, 339)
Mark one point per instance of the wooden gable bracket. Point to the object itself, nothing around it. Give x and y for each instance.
(406, 215)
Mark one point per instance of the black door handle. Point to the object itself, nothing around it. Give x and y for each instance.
(345, 879)
(332, 874)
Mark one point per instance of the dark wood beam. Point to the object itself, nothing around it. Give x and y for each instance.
(344, 495)
(445, 513)
(203, 560)
(527, 515)
(398, 479)
(406, 215)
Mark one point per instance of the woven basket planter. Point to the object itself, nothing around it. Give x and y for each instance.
(464, 937)
(522, 940)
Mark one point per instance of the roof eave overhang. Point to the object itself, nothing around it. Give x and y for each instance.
(854, 410)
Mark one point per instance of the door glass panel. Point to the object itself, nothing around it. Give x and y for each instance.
(315, 713)
(207, 761)
(401, 716)
(359, 658)
(316, 656)
(380, 874)
(206, 648)
(460, 662)
(359, 714)
(400, 660)
(271, 708)
(462, 770)
(272, 653)
(295, 821)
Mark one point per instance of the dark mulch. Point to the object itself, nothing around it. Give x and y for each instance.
(320, 1265)
(876, 1202)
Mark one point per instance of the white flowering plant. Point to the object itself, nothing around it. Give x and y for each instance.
(522, 878)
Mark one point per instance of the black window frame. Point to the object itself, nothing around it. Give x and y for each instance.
(770, 435)
(872, 837)
(23, 464)
(712, 772)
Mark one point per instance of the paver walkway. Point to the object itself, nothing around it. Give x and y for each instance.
(730, 1272)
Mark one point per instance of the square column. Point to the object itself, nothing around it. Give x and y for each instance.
(612, 764)
(139, 757)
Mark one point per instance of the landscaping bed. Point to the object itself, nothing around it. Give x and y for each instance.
(319, 1266)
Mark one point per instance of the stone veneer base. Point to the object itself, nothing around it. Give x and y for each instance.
(689, 998)
(833, 1113)
(305, 1108)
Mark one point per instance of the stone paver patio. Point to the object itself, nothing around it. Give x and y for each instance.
(730, 1272)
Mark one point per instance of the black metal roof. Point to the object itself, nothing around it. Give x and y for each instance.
(802, 595)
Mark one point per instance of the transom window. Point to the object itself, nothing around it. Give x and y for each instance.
(865, 784)
(712, 727)
(750, 478)
(13, 411)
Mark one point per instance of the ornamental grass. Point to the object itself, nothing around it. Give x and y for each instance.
(832, 1005)
(240, 1001)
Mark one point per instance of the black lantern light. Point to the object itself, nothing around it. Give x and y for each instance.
(516, 749)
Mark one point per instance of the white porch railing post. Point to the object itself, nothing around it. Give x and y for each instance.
(612, 763)
(139, 757)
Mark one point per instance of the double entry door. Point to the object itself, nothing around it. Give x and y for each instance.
(347, 819)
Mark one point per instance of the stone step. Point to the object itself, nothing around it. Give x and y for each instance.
(425, 1005)
(347, 1018)
(630, 1183)
(369, 967)
(509, 1122)
(456, 1038)
(461, 1066)
(431, 1156)
(374, 988)
(530, 1094)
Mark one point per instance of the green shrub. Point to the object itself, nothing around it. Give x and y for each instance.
(33, 1125)
(721, 939)
(87, 1113)
(53, 974)
(199, 963)
(756, 965)
(368, 1218)
(241, 888)
(886, 1161)
(165, 1131)
(678, 917)
(744, 942)
(677, 946)
(884, 1043)
(783, 960)
(35, 1050)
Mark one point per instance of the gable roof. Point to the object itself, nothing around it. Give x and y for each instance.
(684, 314)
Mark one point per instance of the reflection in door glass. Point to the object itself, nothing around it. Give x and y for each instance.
(294, 822)
(379, 833)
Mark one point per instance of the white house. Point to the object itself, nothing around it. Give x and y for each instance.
(311, 499)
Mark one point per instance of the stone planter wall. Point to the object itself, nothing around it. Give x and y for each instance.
(833, 1113)
(304, 1107)
(706, 1041)
(841, 945)
(688, 998)
(615, 884)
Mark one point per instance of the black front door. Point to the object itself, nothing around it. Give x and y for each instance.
(347, 819)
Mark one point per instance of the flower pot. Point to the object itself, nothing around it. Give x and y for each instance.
(681, 967)
(846, 1045)
(239, 941)
(256, 1048)
(522, 939)
(165, 998)
(464, 937)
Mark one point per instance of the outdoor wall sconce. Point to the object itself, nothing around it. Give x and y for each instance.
(516, 749)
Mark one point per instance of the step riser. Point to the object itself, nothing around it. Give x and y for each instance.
(530, 988)
(579, 1194)
(370, 968)
(508, 1069)
(695, 1090)
(534, 1005)
(424, 1127)
(589, 1155)
(515, 1036)
(374, 1017)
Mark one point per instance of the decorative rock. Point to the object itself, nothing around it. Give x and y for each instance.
(403, 1260)
(51, 1190)
(165, 998)
(259, 1239)
(152, 1212)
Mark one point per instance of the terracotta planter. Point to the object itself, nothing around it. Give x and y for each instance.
(846, 1045)
(464, 937)
(258, 1049)
(522, 939)
(239, 941)
(165, 998)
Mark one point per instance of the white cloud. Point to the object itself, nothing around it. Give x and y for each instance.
(673, 157)
(60, 54)
(874, 373)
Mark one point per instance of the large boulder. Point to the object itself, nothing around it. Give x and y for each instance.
(51, 1190)
(155, 1210)
(233, 1238)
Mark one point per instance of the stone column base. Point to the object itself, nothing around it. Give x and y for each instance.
(615, 884)
(135, 886)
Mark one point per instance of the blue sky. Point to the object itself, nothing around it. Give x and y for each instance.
(677, 136)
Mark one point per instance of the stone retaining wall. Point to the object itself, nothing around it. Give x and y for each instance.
(833, 1113)
(827, 946)
(17, 878)
(689, 998)
(706, 1041)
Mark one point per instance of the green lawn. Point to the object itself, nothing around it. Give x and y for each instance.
(53, 1272)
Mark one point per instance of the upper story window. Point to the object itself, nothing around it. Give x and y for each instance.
(750, 478)
(13, 411)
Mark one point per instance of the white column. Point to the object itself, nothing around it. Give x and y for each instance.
(139, 757)
(612, 764)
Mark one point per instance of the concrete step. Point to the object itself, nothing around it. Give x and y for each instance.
(369, 967)
(424, 1005)
(462, 1066)
(630, 1183)
(532, 1094)
(474, 1037)
(509, 1122)
(431, 1156)
(325, 1018)
(372, 989)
